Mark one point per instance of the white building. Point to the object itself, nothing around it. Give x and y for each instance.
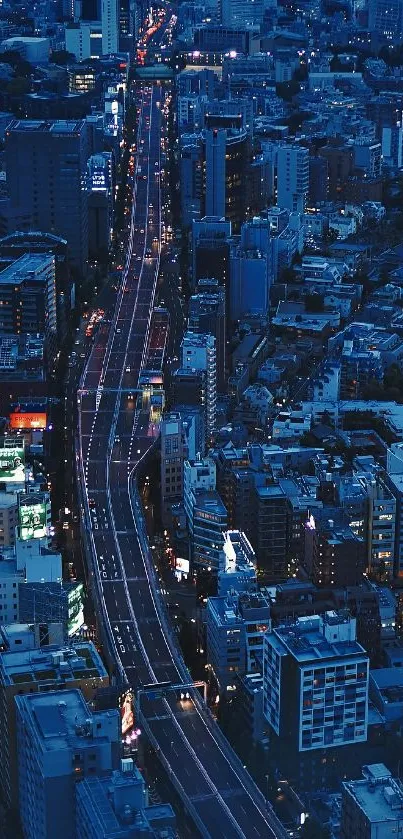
(291, 424)
(292, 177)
(198, 352)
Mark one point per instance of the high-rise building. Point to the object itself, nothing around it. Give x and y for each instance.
(235, 630)
(172, 458)
(292, 177)
(28, 294)
(60, 741)
(27, 669)
(208, 524)
(334, 554)
(315, 682)
(210, 250)
(198, 352)
(207, 315)
(46, 164)
(100, 204)
(372, 807)
(385, 17)
(242, 14)
(110, 14)
(226, 159)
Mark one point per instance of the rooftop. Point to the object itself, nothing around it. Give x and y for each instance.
(311, 638)
(51, 664)
(378, 795)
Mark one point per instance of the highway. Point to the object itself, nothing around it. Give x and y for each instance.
(114, 436)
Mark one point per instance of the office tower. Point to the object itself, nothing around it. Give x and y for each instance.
(59, 742)
(110, 26)
(191, 179)
(207, 526)
(226, 159)
(46, 164)
(207, 315)
(270, 530)
(236, 625)
(240, 13)
(172, 457)
(18, 244)
(318, 186)
(198, 352)
(292, 177)
(210, 250)
(249, 283)
(315, 683)
(100, 204)
(385, 17)
(117, 805)
(372, 806)
(27, 669)
(334, 554)
(28, 294)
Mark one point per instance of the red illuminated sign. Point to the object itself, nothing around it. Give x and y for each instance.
(27, 422)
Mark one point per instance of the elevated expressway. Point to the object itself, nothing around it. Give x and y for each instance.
(114, 436)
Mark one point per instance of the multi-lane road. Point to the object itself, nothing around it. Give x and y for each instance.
(114, 437)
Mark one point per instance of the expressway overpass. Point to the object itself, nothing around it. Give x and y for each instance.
(114, 436)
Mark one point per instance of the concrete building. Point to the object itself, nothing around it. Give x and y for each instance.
(110, 26)
(385, 17)
(207, 526)
(46, 164)
(172, 458)
(117, 805)
(372, 808)
(292, 177)
(235, 630)
(207, 315)
(26, 668)
(198, 352)
(8, 518)
(59, 742)
(238, 570)
(315, 682)
(100, 204)
(210, 249)
(28, 294)
(226, 159)
(334, 554)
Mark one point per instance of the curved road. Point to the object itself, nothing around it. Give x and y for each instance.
(114, 435)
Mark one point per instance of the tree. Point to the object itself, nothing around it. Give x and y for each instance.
(61, 57)
(287, 90)
(314, 302)
(312, 829)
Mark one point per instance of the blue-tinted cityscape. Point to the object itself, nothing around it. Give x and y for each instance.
(201, 419)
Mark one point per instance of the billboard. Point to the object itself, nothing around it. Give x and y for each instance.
(182, 565)
(75, 599)
(20, 421)
(126, 712)
(32, 520)
(12, 464)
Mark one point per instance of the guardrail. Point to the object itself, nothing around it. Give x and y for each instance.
(223, 744)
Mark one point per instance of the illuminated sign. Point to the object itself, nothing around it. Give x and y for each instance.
(32, 520)
(311, 523)
(75, 609)
(182, 565)
(126, 713)
(12, 464)
(21, 421)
